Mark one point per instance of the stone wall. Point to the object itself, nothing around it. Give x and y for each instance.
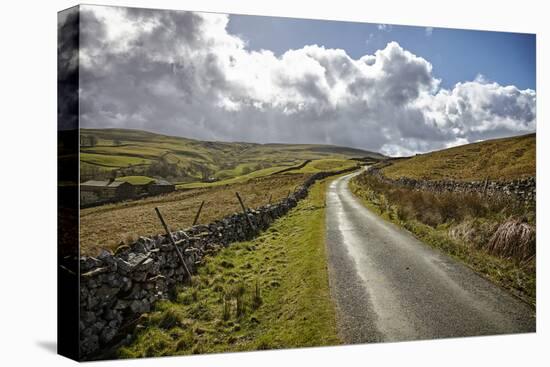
(522, 189)
(116, 289)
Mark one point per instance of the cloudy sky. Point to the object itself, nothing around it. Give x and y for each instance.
(393, 89)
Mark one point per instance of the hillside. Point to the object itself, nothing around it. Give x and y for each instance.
(498, 159)
(182, 160)
(108, 225)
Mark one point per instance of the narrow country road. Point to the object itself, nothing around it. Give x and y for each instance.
(388, 286)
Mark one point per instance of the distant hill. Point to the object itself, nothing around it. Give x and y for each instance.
(142, 153)
(498, 159)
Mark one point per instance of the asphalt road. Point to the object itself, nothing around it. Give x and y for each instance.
(388, 286)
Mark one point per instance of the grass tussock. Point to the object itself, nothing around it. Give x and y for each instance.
(515, 239)
(276, 295)
(495, 235)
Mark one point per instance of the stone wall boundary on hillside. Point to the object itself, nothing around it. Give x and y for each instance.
(116, 288)
(523, 189)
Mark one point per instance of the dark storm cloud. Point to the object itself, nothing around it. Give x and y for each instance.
(181, 73)
(67, 68)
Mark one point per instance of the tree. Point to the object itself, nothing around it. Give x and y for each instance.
(205, 173)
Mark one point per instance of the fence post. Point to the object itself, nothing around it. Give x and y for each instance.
(485, 186)
(270, 197)
(245, 213)
(198, 213)
(169, 234)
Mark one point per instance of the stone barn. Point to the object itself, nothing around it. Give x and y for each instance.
(97, 191)
(160, 186)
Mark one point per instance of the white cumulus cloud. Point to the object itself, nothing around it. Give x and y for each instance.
(182, 73)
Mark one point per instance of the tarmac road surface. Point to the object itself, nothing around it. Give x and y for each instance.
(389, 286)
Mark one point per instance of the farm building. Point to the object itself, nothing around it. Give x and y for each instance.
(97, 191)
(160, 186)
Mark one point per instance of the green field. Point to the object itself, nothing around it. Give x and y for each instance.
(314, 166)
(499, 159)
(256, 174)
(111, 161)
(327, 164)
(108, 152)
(280, 279)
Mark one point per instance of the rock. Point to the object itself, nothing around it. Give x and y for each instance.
(126, 284)
(89, 344)
(88, 263)
(138, 306)
(92, 302)
(124, 267)
(107, 334)
(95, 272)
(106, 292)
(122, 304)
(139, 276)
(121, 250)
(99, 325)
(88, 317)
(146, 265)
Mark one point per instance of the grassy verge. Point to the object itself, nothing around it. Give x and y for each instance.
(461, 225)
(271, 292)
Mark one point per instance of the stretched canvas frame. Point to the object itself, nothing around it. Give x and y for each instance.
(180, 235)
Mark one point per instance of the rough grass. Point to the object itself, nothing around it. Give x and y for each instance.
(483, 232)
(271, 292)
(108, 226)
(514, 239)
(499, 159)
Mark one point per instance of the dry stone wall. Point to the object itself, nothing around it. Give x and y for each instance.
(116, 289)
(524, 190)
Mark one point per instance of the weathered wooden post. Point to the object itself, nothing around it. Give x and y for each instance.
(270, 197)
(169, 234)
(245, 213)
(485, 186)
(198, 213)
